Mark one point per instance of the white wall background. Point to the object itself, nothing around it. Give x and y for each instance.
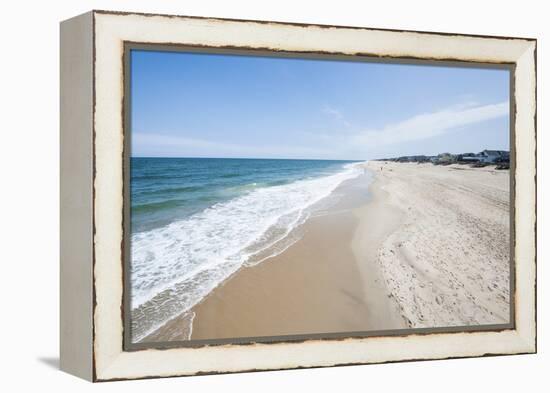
(29, 194)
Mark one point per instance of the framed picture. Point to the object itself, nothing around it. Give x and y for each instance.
(246, 195)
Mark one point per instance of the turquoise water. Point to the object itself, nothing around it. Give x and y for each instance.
(195, 221)
(168, 189)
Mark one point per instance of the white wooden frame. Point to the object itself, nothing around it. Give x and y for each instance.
(92, 154)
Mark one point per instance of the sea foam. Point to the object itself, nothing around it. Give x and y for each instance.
(174, 267)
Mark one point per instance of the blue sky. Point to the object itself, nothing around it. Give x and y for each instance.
(205, 105)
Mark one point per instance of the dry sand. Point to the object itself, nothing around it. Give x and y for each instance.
(427, 246)
(449, 263)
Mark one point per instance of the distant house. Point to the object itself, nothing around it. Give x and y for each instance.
(469, 157)
(494, 156)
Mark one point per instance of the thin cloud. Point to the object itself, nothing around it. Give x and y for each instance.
(336, 144)
(336, 114)
(332, 112)
(429, 125)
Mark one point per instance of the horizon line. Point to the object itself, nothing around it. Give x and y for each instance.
(251, 158)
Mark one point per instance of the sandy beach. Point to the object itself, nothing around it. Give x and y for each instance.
(448, 264)
(417, 246)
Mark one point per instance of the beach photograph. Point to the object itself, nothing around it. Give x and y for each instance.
(280, 197)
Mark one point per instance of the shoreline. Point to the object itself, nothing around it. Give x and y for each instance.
(426, 246)
(326, 282)
(177, 265)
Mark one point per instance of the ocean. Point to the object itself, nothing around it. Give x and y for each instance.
(196, 221)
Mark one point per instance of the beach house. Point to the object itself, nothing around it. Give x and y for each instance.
(494, 156)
